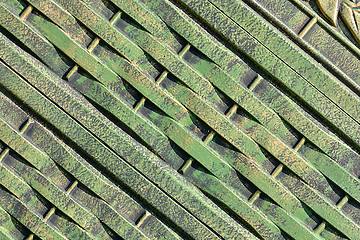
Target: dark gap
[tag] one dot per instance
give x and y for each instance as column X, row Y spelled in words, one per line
column 19, row 231
column 282, row 28
column 121, row 125
column 194, row 56
column 226, row 102
column 328, row 189
column 114, row 179
column 310, row 112
column 73, row 145
column 121, row 88
column 232, row 214
column 45, row 204
column 169, row 81
column 87, row 32
column 179, row 42
column 111, row 233
column 3, row 146
column 66, row 60
column 152, row 112
column 67, row 177
column 67, row 226
column 20, row 2
column 285, row 235
column 139, row 218
column 19, row 44
column 14, row 157
column 337, row 193
column 247, row 185
column 313, row 220
column 293, row 137
column 217, row 35
column 250, row 62
column 199, row 128
column 105, row 8
column 242, row 115
column 132, row 91
column 4, row 191
column 180, row 153
column 46, row 140
column 17, row 164
column 83, row 194
column 157, row 68
column 125, row 20
column 14, row 116
column 352, row 209
column 22, row 231
column 339, row 74
column 222, row 146
column 334, row 233
column 24, row 124
column 196, row 165
column 271, row 162
column 227, row 152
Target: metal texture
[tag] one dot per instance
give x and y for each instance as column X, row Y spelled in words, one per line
column 179, row 119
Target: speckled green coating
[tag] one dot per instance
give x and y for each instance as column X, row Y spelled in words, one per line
column 179, row 119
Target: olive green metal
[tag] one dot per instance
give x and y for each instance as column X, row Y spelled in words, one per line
column 181, row 119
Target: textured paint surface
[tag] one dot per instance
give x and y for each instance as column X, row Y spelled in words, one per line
column 179, row 119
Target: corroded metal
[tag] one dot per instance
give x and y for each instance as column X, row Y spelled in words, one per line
column 179, row 119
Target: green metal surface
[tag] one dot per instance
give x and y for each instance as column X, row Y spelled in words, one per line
column 179, row 119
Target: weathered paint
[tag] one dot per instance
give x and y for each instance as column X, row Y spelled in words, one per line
column 178, row 120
